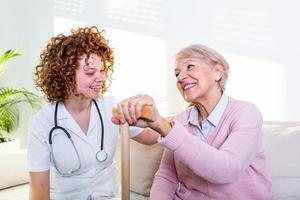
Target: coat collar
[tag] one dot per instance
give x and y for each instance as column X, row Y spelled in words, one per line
column 65, row 119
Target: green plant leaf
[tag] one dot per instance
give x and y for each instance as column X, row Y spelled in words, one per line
column 9, row 99
column 6, row 57
column 9, row 119
column 3, row 135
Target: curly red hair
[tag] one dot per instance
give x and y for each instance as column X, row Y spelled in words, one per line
column 55, row 74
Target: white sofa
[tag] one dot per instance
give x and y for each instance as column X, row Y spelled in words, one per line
column 282, row 141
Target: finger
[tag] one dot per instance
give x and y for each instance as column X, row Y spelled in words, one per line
column 149, row 111
column 138, row 110
column 145, row 107
column 131, row 110
column 131, row 102
column 115, row 121
column 126, row 112
column 149, row 100
column 121, row 115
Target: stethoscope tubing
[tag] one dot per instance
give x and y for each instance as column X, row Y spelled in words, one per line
column 69, row 137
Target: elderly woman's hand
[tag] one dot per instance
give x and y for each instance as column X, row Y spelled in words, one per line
column 130, row 111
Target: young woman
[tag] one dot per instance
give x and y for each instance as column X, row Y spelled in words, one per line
column 72, row 141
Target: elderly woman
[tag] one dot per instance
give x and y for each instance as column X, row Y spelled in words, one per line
column 213, row 149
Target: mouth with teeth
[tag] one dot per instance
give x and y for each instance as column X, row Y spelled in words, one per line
column 96, row 88
column 188, row 86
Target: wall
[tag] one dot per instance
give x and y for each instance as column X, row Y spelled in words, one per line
column 259, row 39
column 25, row 27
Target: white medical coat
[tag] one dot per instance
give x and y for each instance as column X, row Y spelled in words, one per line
column 99, row 179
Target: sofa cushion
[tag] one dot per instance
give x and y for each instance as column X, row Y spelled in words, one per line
column 13, row 170
column 144, row 162
column 282, row 141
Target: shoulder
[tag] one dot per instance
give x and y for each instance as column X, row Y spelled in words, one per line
column 41, row 122
column 107, row 100
column 243, row 114
column 239, row 107
column 106, row 104
column 44, row 115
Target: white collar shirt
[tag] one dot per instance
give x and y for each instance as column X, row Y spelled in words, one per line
column 98, row 179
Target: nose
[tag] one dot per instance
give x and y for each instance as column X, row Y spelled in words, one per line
column 181, row 76
column 100, row 77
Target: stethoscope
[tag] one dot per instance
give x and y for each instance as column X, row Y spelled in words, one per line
column 101, row 155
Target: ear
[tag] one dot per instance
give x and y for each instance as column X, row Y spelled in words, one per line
column 218, row 77
column 219, row 72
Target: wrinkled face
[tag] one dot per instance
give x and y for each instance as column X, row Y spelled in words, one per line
column 90, row 77
column 196, row 79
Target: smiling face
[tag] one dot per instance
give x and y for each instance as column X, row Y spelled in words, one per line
column 90, row 77
column 197, row 81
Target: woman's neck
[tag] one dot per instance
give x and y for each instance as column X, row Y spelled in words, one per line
column 80, row 109
column 77, row 104
column 207, row 104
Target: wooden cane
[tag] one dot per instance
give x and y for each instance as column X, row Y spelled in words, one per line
column 125, row 151
column 125, row 162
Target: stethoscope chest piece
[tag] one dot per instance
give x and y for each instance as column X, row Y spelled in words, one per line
column 101, row 155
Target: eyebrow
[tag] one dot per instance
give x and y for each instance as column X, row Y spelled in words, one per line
column 176, row 70
column 185, row 62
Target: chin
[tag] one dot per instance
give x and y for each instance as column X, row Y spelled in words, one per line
column 96, row 96
column 189, row 98
column 91, row 96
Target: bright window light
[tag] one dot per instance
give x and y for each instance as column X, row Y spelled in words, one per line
column 64, row 25
column 140, row 66
column 259, row 81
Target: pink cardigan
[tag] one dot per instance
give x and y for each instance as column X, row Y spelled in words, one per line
column 230, row 164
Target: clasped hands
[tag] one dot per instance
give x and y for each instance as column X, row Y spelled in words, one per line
column 140, row 111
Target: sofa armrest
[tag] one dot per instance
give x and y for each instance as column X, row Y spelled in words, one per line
column 282, row 140
column 13, row 168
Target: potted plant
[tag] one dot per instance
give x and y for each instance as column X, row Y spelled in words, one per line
column 10, row 98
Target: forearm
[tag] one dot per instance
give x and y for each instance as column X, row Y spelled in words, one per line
column 39, row 192
column 162, row 126
column 200, row 157
column 39, row 185
column 147, row 137
column 162, row 188
column 165, row 181
column 227, row 161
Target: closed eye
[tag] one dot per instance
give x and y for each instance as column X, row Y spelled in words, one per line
column 190, row 66
column 176, row 72
column 90, row 72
